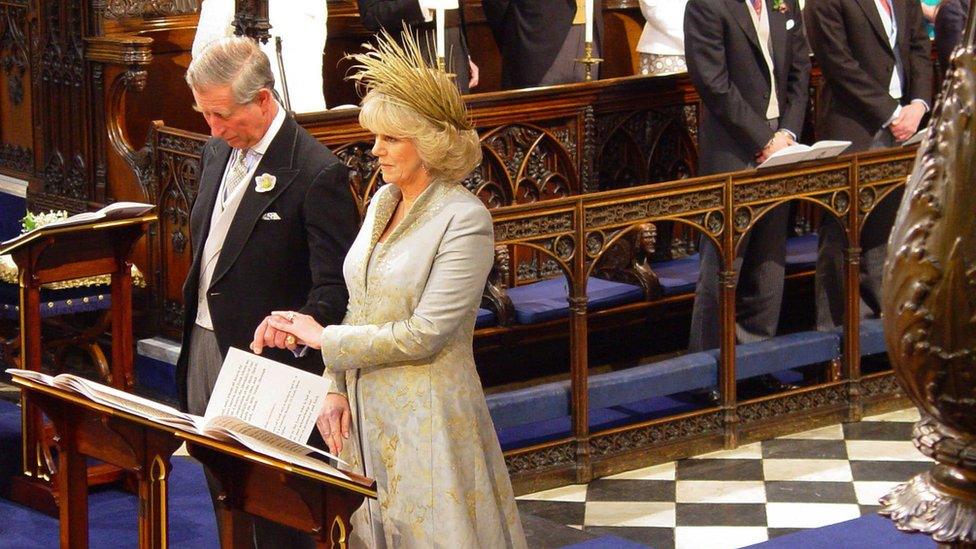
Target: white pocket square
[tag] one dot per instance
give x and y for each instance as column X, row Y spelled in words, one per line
column 789, row 24
column 271, row 216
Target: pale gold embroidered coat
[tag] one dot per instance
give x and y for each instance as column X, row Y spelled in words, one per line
column 420, row 423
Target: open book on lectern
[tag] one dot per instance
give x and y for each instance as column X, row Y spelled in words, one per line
column 264, row 405
column 114, row 211
column 798, row 152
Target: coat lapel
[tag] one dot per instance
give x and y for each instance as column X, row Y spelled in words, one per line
column 739, row 10
column 208, row 186
column 278, row 161
column 385, row 207
column 871, row 11
column 777, row 38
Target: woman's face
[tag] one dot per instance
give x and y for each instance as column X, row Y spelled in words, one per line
column 399, row 160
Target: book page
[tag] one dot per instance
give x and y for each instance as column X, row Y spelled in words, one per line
column 828, row 148
column 223, row 427
column 787, row 155
column 917, row 138
column 112, row 397
column 268, row 394
column 120, row 210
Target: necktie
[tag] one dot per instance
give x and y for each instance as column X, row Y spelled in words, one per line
column 236, row 175
column 757, row 5
column 887, row 6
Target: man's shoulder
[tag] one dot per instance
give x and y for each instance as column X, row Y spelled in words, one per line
column 312, row 153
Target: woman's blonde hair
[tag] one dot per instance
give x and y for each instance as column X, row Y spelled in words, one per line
column 448, row 153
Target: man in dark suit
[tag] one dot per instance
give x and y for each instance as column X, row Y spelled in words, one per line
column 270, row 227
column 390, row 15
column 876, row 61
column 540, row 40
column 750, row 63
column 950, row 23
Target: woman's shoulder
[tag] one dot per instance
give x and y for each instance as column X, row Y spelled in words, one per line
column 466, row 205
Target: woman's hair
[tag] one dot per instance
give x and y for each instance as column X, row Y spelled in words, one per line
column 447, row 152
column 234, row 61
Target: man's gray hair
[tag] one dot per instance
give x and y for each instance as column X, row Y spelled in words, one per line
column 234, row 61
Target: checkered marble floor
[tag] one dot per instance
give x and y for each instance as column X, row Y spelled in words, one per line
column 744, row 496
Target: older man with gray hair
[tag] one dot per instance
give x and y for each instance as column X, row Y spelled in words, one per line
column 269, row 229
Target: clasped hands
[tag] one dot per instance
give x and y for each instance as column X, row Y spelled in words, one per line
column 288, row 330
column 906, row 123
column 781, row 139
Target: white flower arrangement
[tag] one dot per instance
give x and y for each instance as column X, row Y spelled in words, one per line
column 33, row 221
column 264, row 182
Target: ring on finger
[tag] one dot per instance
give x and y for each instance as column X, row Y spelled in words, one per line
column 290, row 340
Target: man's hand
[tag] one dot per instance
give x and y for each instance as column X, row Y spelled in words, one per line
column 473, row 82
column 266, row 335
column 334, row 421
column 779, row 141
column 906, row 123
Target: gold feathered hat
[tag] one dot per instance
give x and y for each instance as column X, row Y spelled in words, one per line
column 402, row 75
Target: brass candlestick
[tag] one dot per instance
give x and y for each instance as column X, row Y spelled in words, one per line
column 441, row 64
column 588, row 60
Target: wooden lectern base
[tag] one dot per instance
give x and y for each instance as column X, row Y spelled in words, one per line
column 42, row 495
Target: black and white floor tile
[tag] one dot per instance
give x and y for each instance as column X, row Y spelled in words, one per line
column 748, row 495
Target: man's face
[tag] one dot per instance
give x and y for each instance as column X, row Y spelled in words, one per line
column 241, row 126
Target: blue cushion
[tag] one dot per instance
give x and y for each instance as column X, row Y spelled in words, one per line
column 674, row 375
column 677, row 276
column 784, row 352
column 539, row 402
column 57, row 302
column 547, row 300
column 485, row 318
column 872, row 337
column 531, row 432
column 156, row 378
column 801, row 252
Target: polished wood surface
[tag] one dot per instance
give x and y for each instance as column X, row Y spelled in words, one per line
column 55, row 255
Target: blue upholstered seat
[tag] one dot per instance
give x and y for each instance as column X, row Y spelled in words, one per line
column 677, row 276
column 57, row 302
column 872, row 337
column 542, row 412
column 783, row 352
column 674, row 375
column 485, row 318
column 801, row 252
column 547, row 300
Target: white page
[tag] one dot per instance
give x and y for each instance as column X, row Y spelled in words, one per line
column 829, row 148
column 268, row 394
column 787, row 155
column 125, row 209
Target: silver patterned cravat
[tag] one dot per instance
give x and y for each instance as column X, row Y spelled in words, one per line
column 236, row 174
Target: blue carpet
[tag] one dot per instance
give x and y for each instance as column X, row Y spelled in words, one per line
column 606, row 542
column 112, row 516
column 868, row 532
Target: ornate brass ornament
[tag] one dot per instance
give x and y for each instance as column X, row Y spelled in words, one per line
column 929, row 311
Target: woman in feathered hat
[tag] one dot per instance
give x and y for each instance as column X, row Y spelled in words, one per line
column 407, row 408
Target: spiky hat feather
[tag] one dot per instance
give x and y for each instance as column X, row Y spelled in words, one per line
column 402, row 75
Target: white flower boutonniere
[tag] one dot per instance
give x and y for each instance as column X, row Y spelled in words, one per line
column 264, row 182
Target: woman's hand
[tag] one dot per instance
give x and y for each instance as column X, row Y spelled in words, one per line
column 334, row 421
column 286, row 330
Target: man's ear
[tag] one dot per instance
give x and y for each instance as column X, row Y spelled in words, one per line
column 264, row 99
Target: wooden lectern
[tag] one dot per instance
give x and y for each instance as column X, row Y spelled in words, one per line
column 251, row 483
column 56, row 254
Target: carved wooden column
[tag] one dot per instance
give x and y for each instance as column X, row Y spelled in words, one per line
column 929, row 311
column 251, row 19
column 727, row 281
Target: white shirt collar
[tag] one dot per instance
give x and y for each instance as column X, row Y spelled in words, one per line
column 262, row 145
